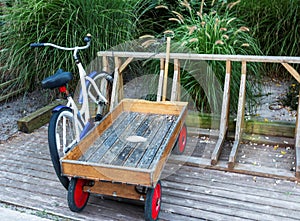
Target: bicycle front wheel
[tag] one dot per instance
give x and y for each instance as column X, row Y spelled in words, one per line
column 61, row 138
column 103, row 81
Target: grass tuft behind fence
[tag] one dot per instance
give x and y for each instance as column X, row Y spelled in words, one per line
column 64, row 23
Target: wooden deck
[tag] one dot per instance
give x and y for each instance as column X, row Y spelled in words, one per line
column 190, row 192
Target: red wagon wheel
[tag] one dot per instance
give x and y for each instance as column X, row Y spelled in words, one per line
column 77, row 198
column 153, row 202
column 181, row 141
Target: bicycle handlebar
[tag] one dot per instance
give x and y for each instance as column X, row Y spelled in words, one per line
column 37, row 45
column 87, row 39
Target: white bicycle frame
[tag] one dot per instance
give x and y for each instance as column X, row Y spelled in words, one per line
column 81, row 117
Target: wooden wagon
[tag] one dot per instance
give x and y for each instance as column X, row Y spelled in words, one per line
column 125, row 154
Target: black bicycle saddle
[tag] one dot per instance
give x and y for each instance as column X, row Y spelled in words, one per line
column 60, row 78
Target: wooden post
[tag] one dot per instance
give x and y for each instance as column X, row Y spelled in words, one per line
column 179, row 82
column 174, row 92
column 240, row 118
column 161, row 79
column 224, row 116
column 105, row 63
column 166, row 69
column 125, row 64
column 292, row 71
column 115, row 88
column 297, row 140
column 119, row 88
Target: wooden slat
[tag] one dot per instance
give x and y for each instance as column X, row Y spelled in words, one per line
column 161, row 79
column 297, row 140
column 292, row 71
column 104, row 143
column 125, row 64
column 129, row 128
column 84, row 144
column 249, row 169
column 116, row 190
column 151, row 143
column 240, row 117
column 224, row 120
column 107, row 173
column 253, row 126
column 105, row 64
column 151, row 153
column 114, row 92
column 175, row 84
column 159, row 163
column 179, row 82
column 166, row 71
column 204, row 57
column 143, row 106
column 102, row 138
column 119, row 87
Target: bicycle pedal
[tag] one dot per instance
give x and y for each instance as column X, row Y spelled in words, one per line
column 98, row 117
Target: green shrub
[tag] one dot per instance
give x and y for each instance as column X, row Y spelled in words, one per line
column 212, row 30
column 276, row 24
column 64, row 23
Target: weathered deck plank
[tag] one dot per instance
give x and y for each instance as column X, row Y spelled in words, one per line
column 190, row 193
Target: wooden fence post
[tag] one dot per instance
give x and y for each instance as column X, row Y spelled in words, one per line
column 240, row 118
column 175, row 93
column 297, row 140
column 224, row 116
column 160, row 80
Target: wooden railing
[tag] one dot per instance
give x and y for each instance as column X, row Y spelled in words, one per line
column 285, row 61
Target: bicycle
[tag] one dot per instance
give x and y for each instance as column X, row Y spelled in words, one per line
column 70, row 123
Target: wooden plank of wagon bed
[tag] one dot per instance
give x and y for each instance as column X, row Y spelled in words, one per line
column 137, row 127
column 147, row 130
column 94, row 147
column 160, row 143
column 148, row 150
column 103, row 144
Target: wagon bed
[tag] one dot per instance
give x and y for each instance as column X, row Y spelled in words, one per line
column 131, row 145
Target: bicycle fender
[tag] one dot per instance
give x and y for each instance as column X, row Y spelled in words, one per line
column 59, row 107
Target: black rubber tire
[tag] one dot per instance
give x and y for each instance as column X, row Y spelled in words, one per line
column 180, row 144
column 77, row 199
column 153, row 202
column 55, row 155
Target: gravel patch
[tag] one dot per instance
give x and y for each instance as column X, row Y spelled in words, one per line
column 14, row 109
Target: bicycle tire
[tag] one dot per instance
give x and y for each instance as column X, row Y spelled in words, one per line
column 104, row 87
column 54, row 134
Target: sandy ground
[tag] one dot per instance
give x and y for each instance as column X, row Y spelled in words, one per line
column 270, row 106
